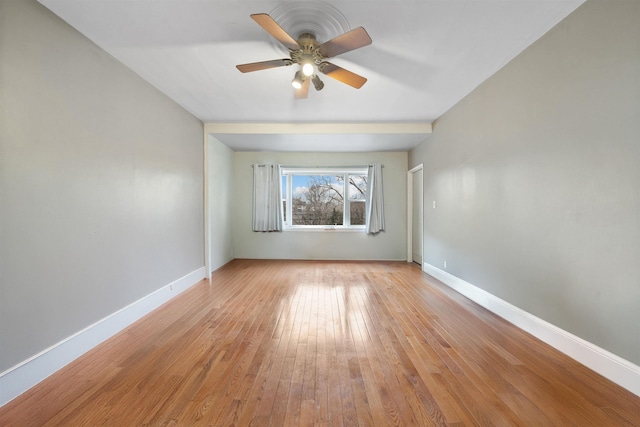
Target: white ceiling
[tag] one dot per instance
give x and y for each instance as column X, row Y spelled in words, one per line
column 425, row 57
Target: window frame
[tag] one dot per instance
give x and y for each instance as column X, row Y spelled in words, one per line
column 287, row 196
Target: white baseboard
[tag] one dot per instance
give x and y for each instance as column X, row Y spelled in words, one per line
column 615, row 368
column 20, row 378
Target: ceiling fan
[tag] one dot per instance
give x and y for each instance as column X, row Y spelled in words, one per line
column 311, row 56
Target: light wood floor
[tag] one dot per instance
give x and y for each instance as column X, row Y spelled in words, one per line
column 323, row 343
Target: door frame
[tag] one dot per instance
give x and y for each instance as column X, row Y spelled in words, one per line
column 410, row 174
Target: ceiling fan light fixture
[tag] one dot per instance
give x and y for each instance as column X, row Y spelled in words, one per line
column 297, row 80
column 307, row 69
column 317, row 83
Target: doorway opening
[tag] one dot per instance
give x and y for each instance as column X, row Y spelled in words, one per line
column 415, row 217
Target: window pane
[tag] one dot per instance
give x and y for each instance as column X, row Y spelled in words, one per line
column 357, row 212
column 317, row 200
column 284, row 210
column 357, row 187
column 284, row 197
column 357, row 196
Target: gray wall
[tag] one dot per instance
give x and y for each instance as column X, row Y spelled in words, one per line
column 100, row 185
column 220, row 203
column 388, row 245
column 536, row 175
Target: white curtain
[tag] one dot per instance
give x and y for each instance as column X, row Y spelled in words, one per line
column 375, row 203
column 267, row 198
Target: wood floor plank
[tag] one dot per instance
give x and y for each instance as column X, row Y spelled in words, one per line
column 323, row 343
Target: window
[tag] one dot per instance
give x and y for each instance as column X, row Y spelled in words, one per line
column 321, row 198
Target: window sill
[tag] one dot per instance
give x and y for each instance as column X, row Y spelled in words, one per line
column 328, row 229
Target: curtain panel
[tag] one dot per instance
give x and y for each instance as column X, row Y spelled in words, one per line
column 374, row 206
column 267, row 198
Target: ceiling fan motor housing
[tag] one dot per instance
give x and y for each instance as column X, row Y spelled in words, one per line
column 308, row 52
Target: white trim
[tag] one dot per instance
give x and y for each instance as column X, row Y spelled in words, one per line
column 318, row 128
column 26, row 374
column 205, row 199
column 324, row 170
column 332, row 228
column 615, row 368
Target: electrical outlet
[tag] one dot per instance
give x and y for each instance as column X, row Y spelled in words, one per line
column 434, row 204
column 445, row 264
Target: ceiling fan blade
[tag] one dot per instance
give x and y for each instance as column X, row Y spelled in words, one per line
column 303, row 92
column 342, row 75
column 272, row 27
column 354, row 39
column 256, row 66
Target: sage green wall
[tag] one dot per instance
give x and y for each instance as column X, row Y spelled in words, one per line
column 100, row 184
column 536, row 175
column 335, row 245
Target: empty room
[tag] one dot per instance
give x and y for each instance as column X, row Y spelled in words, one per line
column 216, row 212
